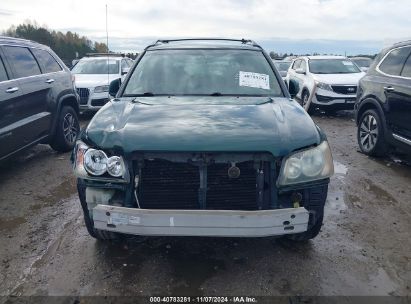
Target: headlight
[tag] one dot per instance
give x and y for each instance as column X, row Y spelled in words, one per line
column 91, row 162
column 115, row 166
column 309, row 165
column 324, row 86
column 101, row 89
column 95, row 162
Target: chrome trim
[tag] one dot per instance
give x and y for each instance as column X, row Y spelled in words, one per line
column 402, row 139
column 385, row 56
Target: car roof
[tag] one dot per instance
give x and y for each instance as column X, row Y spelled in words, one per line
column 326, row 57
column 102, row 57
column 20, row 42
column 401, row 43
column 204, row 43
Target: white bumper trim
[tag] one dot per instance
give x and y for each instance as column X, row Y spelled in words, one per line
column 200, row 222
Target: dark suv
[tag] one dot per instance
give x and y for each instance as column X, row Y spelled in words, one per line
column 38, row 102
column 383, row 107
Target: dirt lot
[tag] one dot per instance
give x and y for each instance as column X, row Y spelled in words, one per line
column 364, row 247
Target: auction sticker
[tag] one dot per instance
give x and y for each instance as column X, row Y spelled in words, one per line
column 254, row 80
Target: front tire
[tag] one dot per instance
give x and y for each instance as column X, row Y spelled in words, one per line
column 370, row 134
column 67, row 129
column 304, row 100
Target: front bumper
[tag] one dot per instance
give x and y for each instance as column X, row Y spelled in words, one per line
column 91, row 101
column 221, row 223
column 329, row 98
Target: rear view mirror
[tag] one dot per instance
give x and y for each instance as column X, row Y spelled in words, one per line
column 125, row 71
column 293, row 87
column 114, row 87
column 300, row 71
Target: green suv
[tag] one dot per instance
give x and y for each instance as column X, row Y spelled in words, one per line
column 203, row 139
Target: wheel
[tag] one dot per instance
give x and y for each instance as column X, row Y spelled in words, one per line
column 67, row 129
column 304, row 100
column 370, row 134
column 95, row 233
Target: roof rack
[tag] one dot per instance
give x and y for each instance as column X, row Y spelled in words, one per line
column 105, row 55
column 401, row 42
column 243, row 41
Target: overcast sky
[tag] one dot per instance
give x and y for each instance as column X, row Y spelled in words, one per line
column 132, row 22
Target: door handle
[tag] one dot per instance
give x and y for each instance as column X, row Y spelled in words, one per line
column 12, row 90
column 389, row 89
column 49, row 81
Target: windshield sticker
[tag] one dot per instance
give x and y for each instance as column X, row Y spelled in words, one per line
column 347, row 63
column 254, row 80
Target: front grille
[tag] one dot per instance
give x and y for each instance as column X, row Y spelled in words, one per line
column 99, row 102
column 84, row 93
column 224, row 193
column 173, row 185
column 168, row 185
column 347, row 90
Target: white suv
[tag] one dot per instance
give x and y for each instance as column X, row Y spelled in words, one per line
column 93, row 75
column 326, row 82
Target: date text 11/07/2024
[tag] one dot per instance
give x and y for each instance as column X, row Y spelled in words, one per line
column 203, row 299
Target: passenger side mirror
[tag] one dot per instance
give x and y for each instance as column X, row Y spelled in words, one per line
column 300, row 71
column 293, row 87
column 114, row 87
column 364, row 69
column 125, row 71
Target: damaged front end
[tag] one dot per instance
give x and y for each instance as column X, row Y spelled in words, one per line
column 200, row 193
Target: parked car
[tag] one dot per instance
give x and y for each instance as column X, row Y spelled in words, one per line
column 202, row 140
column 326, row 82
column 383, row 107
column 93, row 75
column 38, row 102
column 282, row 66
column 363, row 63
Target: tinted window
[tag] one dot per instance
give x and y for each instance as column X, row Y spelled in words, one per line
column 406, row 72
column 395, row 60
column 22, row 61
column 97, row 66
column 203, row 72
column 296, row 64
column 46, row 60
column 3, row 73
column 303, row 66
column 332, row 66
column 282, row 66
column 124, row 64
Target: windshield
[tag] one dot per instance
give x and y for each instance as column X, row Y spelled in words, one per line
column 363, row 63
column 282, row 66
column 96, row 66
column 203, row 72
column 332, row 66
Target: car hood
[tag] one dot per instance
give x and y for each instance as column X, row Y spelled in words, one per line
column 351, row 78
column 93, row 80
column 202, row 124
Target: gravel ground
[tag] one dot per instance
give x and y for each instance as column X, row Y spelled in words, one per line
column 364, row 247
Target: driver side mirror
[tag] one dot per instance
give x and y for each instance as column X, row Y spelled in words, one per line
column 114, row 87
column 293, row 87
column 300, row 71
column 124, row 71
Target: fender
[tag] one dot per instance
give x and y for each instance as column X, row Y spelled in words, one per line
column 59, row 106
column 369, row 102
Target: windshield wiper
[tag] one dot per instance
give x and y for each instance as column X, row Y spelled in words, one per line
column 149, row 94
column 269, row 100
column 216, row 94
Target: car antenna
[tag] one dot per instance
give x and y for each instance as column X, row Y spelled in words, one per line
column 108, row 56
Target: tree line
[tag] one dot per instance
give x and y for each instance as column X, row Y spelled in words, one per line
column 65, row 45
